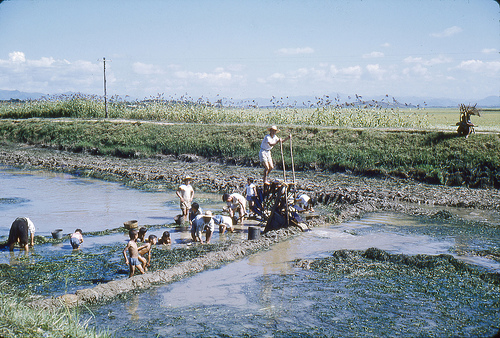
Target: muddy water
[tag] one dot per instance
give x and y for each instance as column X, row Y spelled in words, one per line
column 265, row 295
column 62, row 201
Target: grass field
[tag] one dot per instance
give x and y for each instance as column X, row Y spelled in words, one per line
column 429, row 156
column 446, row 118
column 324, row 112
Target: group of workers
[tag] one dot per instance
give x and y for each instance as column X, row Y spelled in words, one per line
column 23, row 230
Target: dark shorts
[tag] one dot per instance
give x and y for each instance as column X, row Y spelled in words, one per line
column 134, row 261
column 19, row 232
column 75, row 242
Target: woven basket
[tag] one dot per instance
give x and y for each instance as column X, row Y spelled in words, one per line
column 131, row 224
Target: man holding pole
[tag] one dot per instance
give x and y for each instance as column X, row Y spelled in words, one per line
column 267, row 144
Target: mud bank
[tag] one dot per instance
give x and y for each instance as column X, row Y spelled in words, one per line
column 342, row 191
column 107, row 291
column 345, row 197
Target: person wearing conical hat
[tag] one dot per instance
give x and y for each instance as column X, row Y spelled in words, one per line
column 186, row 195
column 269, row 141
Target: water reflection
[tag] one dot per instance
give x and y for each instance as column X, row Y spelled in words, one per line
column 58, row 200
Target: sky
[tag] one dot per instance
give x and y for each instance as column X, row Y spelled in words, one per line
column 239, row 49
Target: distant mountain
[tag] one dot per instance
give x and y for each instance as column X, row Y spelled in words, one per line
column 306, row 101
column 16, row 94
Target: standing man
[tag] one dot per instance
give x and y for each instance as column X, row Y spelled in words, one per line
column 186, row 195
column 22, row 231
column 267, row 144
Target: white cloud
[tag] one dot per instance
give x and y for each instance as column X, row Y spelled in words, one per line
column 353, row 71
column 17, row 57
column 478, row 66
column 417, row 69
column 218, row 76
column 434, row 61
column 376, row 71
column 489, row 50
column 373, row 55
column 49, row 75
column 385, row 45
column 295, row 51
column 450, row 31
column 145, row 69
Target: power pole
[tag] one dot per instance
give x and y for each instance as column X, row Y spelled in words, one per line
column 105, row 97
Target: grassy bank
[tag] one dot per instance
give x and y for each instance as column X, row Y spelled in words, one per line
column 19, row 320
column 434, row 157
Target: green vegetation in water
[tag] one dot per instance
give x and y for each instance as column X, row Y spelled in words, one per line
column 376, row 294
column 55, row 274
column 433, row 157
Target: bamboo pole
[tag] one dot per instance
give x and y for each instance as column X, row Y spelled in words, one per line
column 283, row 161
column 291, row 155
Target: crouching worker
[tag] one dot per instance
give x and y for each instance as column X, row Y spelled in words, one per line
column 133, row 252
column 22, row 231
column 76, row 239
column 165, row 238
column 224, row 222
column 236, row 203
column 200, row 223
column 304, row 203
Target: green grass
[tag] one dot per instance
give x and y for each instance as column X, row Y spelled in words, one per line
column 17, row 319
column 324, row 112
column 446, row 119
column 434, row 157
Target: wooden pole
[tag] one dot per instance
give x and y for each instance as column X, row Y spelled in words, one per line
column 291, row 155
column 283, row 161
column 105, row 96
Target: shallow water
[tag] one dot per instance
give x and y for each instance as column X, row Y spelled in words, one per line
column 265, row 295
column 57, row 200
column 62, row 201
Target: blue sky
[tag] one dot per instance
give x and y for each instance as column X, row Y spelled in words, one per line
column 243, row 49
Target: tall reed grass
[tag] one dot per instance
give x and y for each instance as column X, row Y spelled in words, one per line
column 323, row 112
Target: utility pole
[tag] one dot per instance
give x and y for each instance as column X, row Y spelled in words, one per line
column 105, row 97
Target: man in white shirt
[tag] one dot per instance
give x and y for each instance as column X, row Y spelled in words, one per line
column 267, row 144
column 186, row 195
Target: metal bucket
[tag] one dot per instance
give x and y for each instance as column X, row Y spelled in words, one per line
column 253, row 232
column 57, row 234
column 178, row 219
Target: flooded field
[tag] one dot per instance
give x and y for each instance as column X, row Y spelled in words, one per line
column 427, row 277
column 267, row 294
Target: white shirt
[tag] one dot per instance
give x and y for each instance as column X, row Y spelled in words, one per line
column 236, row 200
column 303, row 199
column 250, row 189
column 31, row 226
column 265, row 145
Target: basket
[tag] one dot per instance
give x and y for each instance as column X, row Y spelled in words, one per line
column 131, row 224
